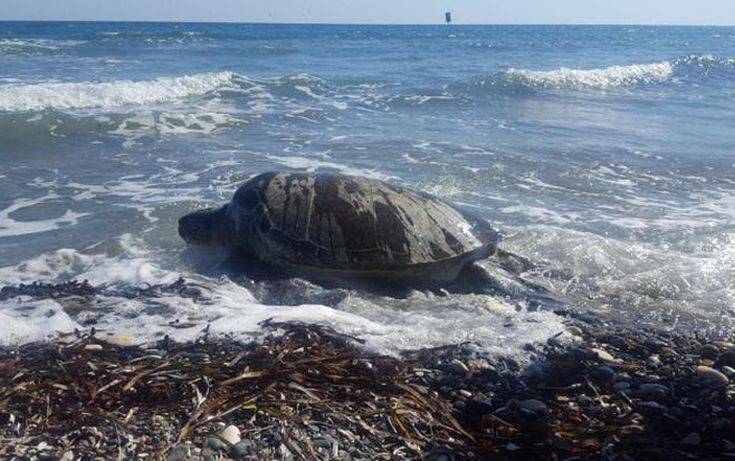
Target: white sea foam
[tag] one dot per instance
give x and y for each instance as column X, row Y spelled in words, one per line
column 608, row 77
column 84, row 95
column 310, row 165
column 388, row 325
column 637, row 277
column 34, row 45
column 10, row 227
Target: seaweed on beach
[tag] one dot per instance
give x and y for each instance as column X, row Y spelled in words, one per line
column 308, row 392
column 49, row 290
column 304, row 390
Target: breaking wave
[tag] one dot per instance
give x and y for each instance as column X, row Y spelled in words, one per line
column 691, row 66
column 90, row 95
column 608, row 77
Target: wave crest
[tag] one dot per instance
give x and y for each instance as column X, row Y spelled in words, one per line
column 608, row 77
column 33, row 46
column 90, row 95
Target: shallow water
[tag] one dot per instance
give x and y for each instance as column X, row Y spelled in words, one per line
column 604, row 154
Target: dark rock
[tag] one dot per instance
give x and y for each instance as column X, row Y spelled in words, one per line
column 452, row 381
column 726, row 359
column 531, row 409
column 655, row 406
column 728, row 371
column 479, row 405
column 440, row 455
column 692, row 439
column 602, row 374
column 709, row 351
column 325, row 442
column 653, row 390
column 711, row 377
column 241, row 449
column 457, row 367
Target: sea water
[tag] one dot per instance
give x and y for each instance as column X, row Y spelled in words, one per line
column 605, row 155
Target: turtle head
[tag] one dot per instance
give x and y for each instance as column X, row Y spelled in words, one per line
column 203, row 227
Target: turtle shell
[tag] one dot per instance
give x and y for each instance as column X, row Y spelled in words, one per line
column 346, row 223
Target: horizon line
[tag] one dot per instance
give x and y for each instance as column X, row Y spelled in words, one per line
column 296, row 23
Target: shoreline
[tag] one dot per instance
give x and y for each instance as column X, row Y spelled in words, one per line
column 308, row 392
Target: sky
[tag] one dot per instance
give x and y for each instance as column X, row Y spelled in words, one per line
column 709, row 12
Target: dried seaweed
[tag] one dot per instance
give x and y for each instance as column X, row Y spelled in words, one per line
column 112, row 400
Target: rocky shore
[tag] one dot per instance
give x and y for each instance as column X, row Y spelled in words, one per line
column 308, row 392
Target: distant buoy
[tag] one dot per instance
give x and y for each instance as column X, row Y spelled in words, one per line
column 448, row 17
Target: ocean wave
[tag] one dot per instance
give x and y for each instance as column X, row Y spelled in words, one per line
column 90, row 95
column 607, row 77
column 689, row 66
column 21, row 46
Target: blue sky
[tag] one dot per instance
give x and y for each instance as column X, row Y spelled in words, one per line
column 715, row 12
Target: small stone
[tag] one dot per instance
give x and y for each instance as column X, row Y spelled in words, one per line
column 215, row 443
column 668, row 352
column 532, row 408
column 325, row 442
column 726, row 359
column 231, row 434
column 724, row 345
column 654, row 361
column 728, row 371
column 479, row 405
column 576, row 331
column 653, row 390
column 510, row 446
column 709, row 351
column 458, row 367
column 440, row 455
column 712, row 376
column 465, row 393
column 621, row 386
column 692, row 439
column 618, row 341
column 92, row 347
column 241, row 449
column 603, row 355
column 602, row 374
column 653, row 405
column 180, row 452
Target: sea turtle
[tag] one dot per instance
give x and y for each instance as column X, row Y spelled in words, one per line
column 337, row 226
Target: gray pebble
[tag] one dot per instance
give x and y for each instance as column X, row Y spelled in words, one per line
column 602, row 374
column 728, row 371
column 653, row 405
column 692, row 439
column 215, row 444
column 726, row 359
column 603, row 355
column 532, row 408
column 241, row 449
column 711, row 376
column 457, row 367
column 708, row 351
column 653, row 390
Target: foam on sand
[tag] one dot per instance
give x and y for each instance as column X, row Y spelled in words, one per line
column 389, row 325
